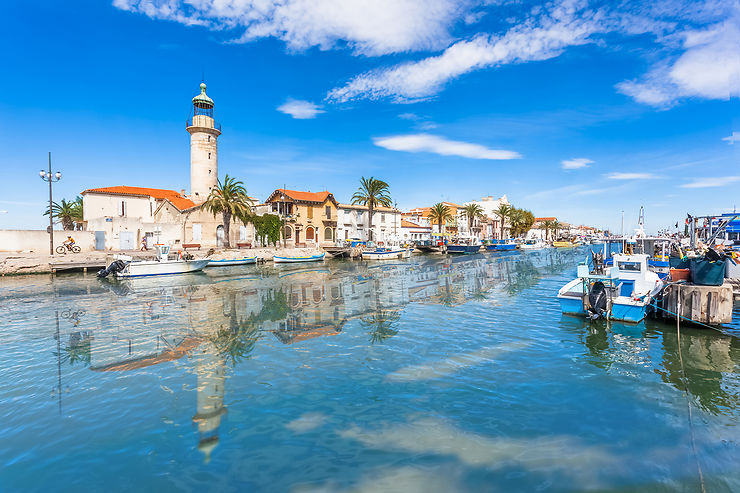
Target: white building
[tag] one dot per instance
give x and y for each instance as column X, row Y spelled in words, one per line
column 352, row 223
column 411, row 232
column 490, row 226
column 123, row 216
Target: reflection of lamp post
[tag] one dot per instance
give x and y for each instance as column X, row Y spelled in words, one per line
column 51, row 179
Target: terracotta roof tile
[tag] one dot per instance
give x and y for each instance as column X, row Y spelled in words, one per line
column 409, row 224
column 158, row 193
column 305, row 196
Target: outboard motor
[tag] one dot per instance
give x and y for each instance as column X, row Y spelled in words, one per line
column 597, row 300
column 115, row 266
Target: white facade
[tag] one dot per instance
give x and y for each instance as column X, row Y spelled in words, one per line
column 411, row 232
column 490, row 227
column 352, row 223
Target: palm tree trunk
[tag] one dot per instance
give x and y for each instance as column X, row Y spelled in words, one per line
column 227, row 227
column 370, row 222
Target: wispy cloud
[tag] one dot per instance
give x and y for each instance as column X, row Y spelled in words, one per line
column 443, row 146
column 539, row 38
column 708, row 66
column 732, row 138
column 369, row 28
column 719, row 181
column 576, row 163
column 301, row 110
column 630, row 176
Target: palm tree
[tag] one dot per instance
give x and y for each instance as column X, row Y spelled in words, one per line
column 440, row 214
column 472, row 212
column 67, row 213
column 230, row 199
column 371, row 194
column 503, row 211
column 548, row 226
column 555, row 227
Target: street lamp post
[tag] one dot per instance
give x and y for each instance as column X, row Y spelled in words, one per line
column 47, row 176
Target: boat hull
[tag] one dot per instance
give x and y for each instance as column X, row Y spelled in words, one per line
column 501, row 247
column 231, row 262
column 293, row 260
column 386, row 255
column 562, row 244
column 154, row 268
column 464, row 249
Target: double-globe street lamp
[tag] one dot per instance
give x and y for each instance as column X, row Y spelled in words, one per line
column 51, row 178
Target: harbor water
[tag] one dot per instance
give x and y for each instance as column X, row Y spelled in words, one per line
column 433, row 374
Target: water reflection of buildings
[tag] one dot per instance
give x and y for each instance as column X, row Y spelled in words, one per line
column 219, row 319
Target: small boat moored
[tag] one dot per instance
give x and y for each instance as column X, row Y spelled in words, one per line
column 388, row 252
column 623, row 292
column 501, row 245
column 465, row 245
column 125, row 266
column 232, row 261
column 296, row 258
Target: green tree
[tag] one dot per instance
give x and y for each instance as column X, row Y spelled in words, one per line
column 548, row 226
column 231, row 200
column 440, row 214
column 503, row 212
column 67, row 213
column 268, row 228
column 372, row 193
column 555, row 228
column 521, row 221
column 472, row 212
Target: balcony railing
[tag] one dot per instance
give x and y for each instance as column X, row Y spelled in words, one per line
column 189, row 123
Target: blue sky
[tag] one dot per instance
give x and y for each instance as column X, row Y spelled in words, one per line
column 572, row 109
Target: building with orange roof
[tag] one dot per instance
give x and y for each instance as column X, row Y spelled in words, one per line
column 411, row 231
column 126, row 217
column 310, row 217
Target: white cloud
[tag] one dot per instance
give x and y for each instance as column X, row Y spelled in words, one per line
column 719, row 181
column 732, row 138
column 369, row 27
column 301, row 110
column 631, row 176
column 408, row 116
column 442, row 146
column 576, row 163
column 535, row 39
column 708, row 67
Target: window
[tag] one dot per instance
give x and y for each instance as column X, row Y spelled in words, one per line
column 629, row 266
column 209, row 138
column 382, row 218
column 122, row 208
column 309, row 212
column 209, row 155
column 196, row 232
column 359, row 215
column 328, row 212
column 242, row 233
column 288, row 232
column 328, row 234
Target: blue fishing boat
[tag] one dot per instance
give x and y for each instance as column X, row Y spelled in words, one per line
column 464, row 245
column 623, row 292
column 228, row 262
column 501, row 245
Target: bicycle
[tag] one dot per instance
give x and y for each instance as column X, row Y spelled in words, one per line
column 64, row 248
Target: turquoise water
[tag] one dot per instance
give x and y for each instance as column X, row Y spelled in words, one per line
column 431, row 374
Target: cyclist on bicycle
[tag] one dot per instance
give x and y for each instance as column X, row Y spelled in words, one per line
column 69, row 243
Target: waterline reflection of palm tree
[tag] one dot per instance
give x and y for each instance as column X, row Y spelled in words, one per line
column 381, row 324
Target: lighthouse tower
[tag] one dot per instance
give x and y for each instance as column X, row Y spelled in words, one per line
column 203, row 149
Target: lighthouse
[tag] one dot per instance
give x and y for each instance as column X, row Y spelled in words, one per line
column 204, row 134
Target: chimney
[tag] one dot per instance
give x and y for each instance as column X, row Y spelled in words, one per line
column 182, row 192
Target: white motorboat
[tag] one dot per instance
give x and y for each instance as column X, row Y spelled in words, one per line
column 125, row 266
column 390, row 253
column 228, row 262
column 298, row 258
column 533, row 245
